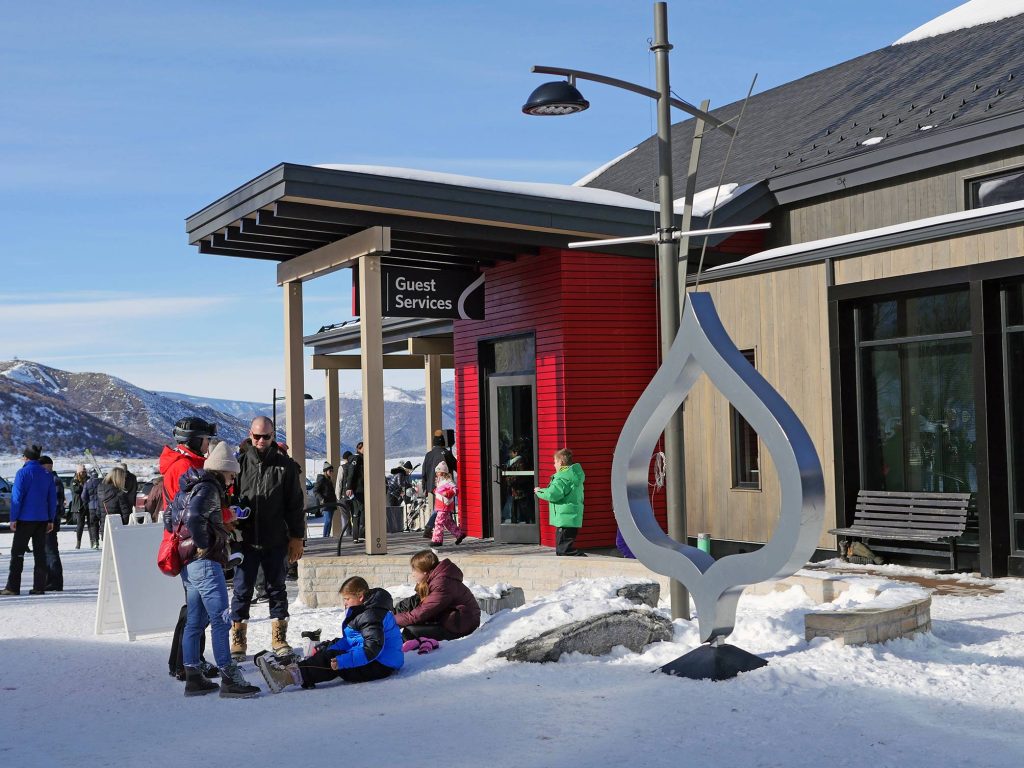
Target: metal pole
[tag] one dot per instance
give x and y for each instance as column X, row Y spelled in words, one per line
column 668, row 296
column 274, row 411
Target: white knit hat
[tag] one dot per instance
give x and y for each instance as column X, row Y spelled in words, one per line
column 441, row 468
column 220, row 458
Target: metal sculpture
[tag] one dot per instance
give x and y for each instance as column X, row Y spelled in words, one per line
column 703, row 346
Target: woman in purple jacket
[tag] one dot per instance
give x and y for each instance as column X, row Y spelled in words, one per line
column 443, row 608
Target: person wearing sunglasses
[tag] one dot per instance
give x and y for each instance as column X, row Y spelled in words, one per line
column 270, row 484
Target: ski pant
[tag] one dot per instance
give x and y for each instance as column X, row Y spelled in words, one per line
column 28, row 530
column 275, row 566
column 317, row 669
column 565, row 541
column 86, row 521
column 444, row 522
column 54, row 567
column 175, row 662
column 357, row 515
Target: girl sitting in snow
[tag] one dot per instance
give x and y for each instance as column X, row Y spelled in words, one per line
column 444, row 506
column 443, row 608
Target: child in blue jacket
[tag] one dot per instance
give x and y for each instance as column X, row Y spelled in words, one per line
column 370, row 646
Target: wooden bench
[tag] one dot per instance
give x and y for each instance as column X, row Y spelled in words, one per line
column 909, row 516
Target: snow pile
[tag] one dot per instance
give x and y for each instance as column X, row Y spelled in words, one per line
column 951, row 697
column 970, row 14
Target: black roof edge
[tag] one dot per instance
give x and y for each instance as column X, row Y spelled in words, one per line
column 394, row 332
column 934, row 148
column 507, row 208
column 882, row 242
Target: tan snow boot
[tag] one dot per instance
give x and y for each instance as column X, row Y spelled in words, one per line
column 238, row 645
column 278, row 637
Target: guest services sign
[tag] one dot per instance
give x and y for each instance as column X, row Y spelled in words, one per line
column 410, row 292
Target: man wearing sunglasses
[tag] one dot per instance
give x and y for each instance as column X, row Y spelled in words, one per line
column 270, row 484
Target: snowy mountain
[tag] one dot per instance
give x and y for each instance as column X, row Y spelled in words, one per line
column 67, row 412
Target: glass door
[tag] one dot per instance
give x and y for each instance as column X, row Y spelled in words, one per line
column 512, row 437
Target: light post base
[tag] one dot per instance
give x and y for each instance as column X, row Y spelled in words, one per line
column 713, row 662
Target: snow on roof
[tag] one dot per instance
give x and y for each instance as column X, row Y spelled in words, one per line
column 582, row 182
column 868, row 234
column 705, row 201
column 970, row 14
column 536, row 189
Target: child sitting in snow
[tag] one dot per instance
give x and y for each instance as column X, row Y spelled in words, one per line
column 370, row 647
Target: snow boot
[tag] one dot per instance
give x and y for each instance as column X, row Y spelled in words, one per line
column 209, row 670
column 238, row 645
column 278, row 637
column 196, row 684
column 234, row 686
column 278, row 676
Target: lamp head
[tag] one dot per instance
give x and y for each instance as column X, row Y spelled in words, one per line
column 556, row 98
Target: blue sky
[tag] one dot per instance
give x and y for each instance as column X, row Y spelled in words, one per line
column 119, row 119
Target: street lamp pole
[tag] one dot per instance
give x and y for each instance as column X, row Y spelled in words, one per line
column 668, row 295
column 562, row 98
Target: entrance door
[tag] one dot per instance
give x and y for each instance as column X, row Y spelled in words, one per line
column 512, row 438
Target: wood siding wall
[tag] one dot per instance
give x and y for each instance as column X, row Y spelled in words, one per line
column 783, row 317
column 915, row 196
column 978, row 248
column 594, row 318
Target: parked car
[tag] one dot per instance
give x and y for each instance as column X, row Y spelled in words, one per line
column 66, row 478
column 5, row 502
column 145, row 486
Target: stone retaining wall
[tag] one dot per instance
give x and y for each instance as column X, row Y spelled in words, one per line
column 870, row 625
column 321, row 577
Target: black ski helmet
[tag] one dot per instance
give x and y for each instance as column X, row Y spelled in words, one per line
column 192, row 430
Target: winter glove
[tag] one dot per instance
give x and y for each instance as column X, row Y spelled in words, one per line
column 295, row 547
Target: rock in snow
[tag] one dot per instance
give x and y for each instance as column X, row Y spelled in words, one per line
column 595, row 636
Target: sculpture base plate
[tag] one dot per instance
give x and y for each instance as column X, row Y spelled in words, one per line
column 713, row 662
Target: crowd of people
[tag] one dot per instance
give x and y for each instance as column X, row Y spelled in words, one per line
column 241, row 512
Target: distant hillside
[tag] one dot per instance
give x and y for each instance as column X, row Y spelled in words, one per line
column 72, row 412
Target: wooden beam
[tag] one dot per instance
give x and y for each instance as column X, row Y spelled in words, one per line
column 333, row 427
column 295, row 404
column 334, row 256
column 371, row 344
column 432, row 345
column 432, row 394
column 390, row 362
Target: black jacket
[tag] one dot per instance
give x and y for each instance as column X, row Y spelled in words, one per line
column 113, row 501
column 200, row 503
column 131, row 485
column 323, row 489
column 354, row 477
column 271, row 487
column 435, row 456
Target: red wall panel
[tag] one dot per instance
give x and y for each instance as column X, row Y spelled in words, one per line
column 595, row 322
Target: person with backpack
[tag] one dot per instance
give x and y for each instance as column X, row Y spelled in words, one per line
column 201, row 508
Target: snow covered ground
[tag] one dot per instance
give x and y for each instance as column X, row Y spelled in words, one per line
column 952, row 697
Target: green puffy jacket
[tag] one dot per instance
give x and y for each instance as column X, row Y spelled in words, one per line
column 564, row 496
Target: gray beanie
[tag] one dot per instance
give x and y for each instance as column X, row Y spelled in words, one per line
column 220, row 459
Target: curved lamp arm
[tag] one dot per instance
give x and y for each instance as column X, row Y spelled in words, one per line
column 643, row 91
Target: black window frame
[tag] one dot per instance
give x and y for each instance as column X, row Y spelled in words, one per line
column 744, row 445
column 971, row 185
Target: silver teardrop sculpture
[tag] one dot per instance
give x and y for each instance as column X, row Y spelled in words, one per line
column 703, row 346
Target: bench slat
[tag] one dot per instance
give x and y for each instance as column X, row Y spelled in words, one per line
column 916, row 495
column 871, row 533
column 924, row 521
column 908, row 504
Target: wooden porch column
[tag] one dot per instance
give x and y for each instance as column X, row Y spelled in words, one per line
column 331, row 414
column 372, row 351
column 432, row 373
column 294, row 406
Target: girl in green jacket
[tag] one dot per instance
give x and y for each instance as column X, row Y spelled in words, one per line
column 564, row 495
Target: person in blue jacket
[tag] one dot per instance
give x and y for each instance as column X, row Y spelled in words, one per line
column 33, row 511
column 370, row 646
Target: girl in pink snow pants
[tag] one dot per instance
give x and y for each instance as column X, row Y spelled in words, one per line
column 444, row 506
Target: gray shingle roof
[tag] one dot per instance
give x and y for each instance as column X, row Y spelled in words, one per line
column 947, row 82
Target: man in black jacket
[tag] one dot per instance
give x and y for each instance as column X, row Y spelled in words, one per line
column 270, row 484
column 354, row 491
column 437, row 453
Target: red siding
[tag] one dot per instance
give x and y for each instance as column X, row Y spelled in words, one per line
column 595, row 321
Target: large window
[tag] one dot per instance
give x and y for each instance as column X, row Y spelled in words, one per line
column 1013, row 353
column 916, row 393
column 993, row 190
column 746, row 467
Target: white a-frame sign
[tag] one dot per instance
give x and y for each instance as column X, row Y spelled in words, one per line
column 134, row 596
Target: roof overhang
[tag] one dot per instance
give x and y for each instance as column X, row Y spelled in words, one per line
column 396, row 332
column 293, row 209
